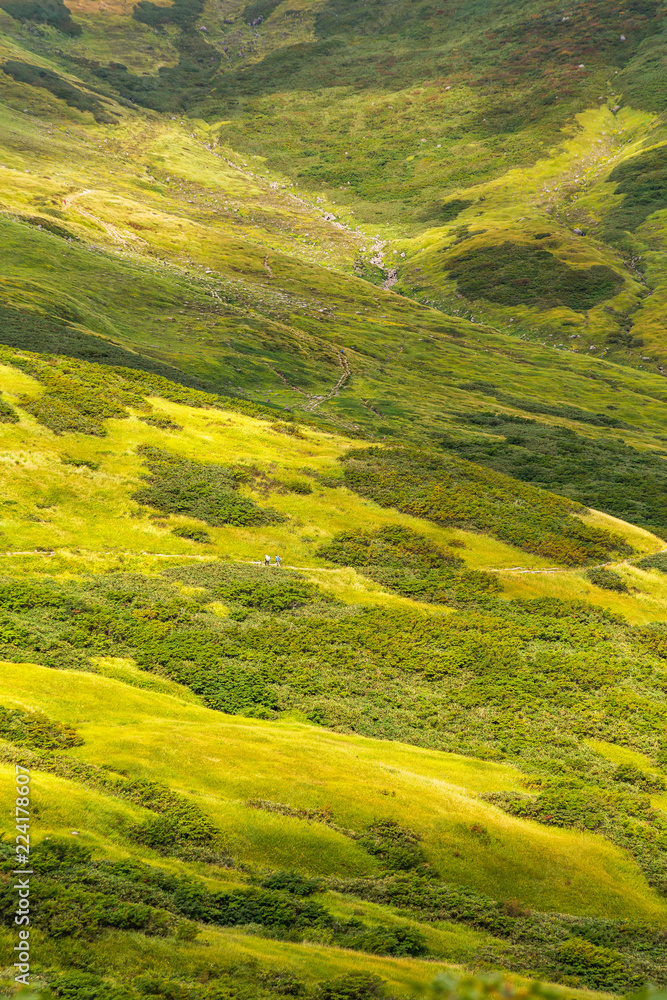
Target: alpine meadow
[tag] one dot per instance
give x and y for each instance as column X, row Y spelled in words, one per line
column 333, row 501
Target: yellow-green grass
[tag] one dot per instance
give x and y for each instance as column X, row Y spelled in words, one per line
column 128, row 954
column 125, row 669
column 93, row 510
column 64, row 808
column 407, row 975
column 88, row 518
column 645, row 601
column 523, row 201
column 642, row 541
column 223, row 761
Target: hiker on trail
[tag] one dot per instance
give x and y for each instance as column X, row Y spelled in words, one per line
column 278, row 561
column 267, row 560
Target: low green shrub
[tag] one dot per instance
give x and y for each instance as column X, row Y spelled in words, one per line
column 291, row 429
column 77, row 985
column 298, row 486
column 352, row 986
column 206, row 491
column 12, row 634
column 8, row 414
column 397, row 848
column 52, row 12
column 449, row 490
column 193, row 534
column 632, row 775
column 657, row 561
column 292, row 882
column 36, row 731
column 522, row 274
column 284, row 595
column 80, row 463
column 407, row 563
column 602, row 968
column 163, row 423
column 396, row 940
column 601, row 472
column 18, row 595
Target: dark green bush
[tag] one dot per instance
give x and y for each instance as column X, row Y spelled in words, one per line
column 8, row 414
column 408, row 563
column 17, row 595
column 53, row 12
column 602, row 968
column 193, row 534
column 395, row 846
column 523, row 274
column 12, row 634
column 286, row 594
column 76, row 985
column 164, row 423
column 607, row 579
column 632, row 775
column 380, row 940
column 298, row 486
column 80, row 463
column 205, row 491
column 657, row 561
column 352, row 986
column 36, row 731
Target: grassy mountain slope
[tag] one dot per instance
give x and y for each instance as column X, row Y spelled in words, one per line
column 138, row 643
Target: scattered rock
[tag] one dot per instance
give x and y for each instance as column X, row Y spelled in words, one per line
column 391, row 279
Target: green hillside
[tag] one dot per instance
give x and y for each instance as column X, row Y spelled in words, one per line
column 378, row 289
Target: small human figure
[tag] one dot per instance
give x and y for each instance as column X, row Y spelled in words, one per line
column 267, row 560
column 278, row 562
